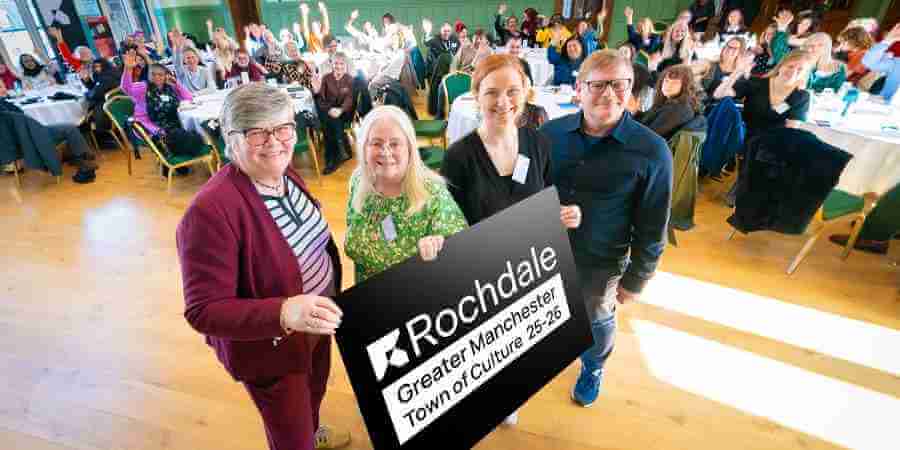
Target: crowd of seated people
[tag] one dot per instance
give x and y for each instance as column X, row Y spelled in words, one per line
column 746, row 67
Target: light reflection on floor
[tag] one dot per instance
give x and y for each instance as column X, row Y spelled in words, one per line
column 834, row 410
column 852, row 340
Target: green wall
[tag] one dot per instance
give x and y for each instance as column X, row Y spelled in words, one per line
column 190, row 16
column 871, row 8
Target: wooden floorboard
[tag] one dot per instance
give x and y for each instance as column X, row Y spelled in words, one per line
column 95, row 353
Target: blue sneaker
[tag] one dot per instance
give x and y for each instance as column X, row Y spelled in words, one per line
column 587, row 387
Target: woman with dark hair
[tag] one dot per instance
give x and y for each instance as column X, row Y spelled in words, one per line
column 156, row 104
column 855, row 42
column 805, row 26
column 773, row 45
column 530, row 27
column 99, row 80
column 734, row 27
column 702, row 11
column 567, row 64
column 34, row 74
column 677, row 102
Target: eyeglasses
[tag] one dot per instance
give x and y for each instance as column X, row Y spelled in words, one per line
column 259, row 136
column 619, row 85
column 384, row 146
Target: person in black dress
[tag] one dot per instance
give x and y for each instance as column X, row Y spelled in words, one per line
column 499, row 164
column 774, row 101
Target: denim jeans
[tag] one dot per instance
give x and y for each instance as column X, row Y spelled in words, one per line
column 599, row 286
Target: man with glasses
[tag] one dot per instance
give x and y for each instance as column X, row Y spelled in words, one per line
column 620, row 173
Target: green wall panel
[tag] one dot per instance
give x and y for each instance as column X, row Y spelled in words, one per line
column 192, row 19
column 474, row 14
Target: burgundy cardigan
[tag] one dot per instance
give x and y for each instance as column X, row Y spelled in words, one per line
column 237, row 269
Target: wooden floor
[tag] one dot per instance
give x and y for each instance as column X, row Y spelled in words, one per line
column 725, row 351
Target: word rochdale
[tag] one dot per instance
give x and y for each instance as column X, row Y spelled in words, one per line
column 438, row 353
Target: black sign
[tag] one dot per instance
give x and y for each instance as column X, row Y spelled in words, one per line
column 439, row 352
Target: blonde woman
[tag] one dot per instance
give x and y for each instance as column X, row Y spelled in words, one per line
column 826, row 72
column 644, row 38
column 224, row 55
column 678, row 45
column 398, row 207
column 726, row 65
column 775, row 100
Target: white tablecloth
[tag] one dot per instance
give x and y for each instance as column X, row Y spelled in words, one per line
column 209, row 106
column 866, row 133
column 541, row 69
column 464, row 111
column 56, row 112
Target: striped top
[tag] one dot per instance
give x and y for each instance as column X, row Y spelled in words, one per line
column 306, row 232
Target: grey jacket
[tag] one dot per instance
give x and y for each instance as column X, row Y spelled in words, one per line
column 23, row 137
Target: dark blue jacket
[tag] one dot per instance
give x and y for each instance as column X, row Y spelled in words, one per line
column 564, row 70
column 724, row 138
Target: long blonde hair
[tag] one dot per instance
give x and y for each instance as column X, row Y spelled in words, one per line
column 224, row 52
column 824, row 59
column 417, row 174
column 686, row 50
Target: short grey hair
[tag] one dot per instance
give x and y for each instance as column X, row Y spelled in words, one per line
column 251, row 105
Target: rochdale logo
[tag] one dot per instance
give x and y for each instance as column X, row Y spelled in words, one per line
column 384, row 352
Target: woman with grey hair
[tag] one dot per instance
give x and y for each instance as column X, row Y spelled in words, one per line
column 398, row 207
column 258, row 265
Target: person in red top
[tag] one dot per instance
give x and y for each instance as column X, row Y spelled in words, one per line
column 243, row 63
column 257, row 290
column 7, row 75
column 82, row 57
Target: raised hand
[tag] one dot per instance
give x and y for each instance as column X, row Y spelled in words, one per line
column 784, row 19
column 321, row 6
column 629, row 14
column 55, row 33
column 130, row 60
column 745, row 62
column 304, row 8
column 894, row 34
column 501, row 9
column 426, row 26
column 354, row 15
column 209, row 23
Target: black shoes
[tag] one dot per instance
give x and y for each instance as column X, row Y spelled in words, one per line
column 866, row 245
column 84, row 176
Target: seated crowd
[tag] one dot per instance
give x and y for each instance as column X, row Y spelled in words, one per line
column 771, row 76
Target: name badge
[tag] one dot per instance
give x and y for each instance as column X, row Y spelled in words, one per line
column 245, row 77
column 520, row 173
column 389, row 229
column 782, row 108
column 164, row 98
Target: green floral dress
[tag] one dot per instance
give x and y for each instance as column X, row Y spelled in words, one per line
column 365, row 242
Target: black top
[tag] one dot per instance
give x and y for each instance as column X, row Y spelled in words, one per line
column 475, row 184
column 668, row 117
column 759, row 114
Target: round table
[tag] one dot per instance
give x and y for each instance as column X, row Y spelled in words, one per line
column 209, row 106
column 541, row 69
column 464, row 111
column 55, row 112
column 870, row 132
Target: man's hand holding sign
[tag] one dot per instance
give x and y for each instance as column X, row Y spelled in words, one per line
column 439, row 353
